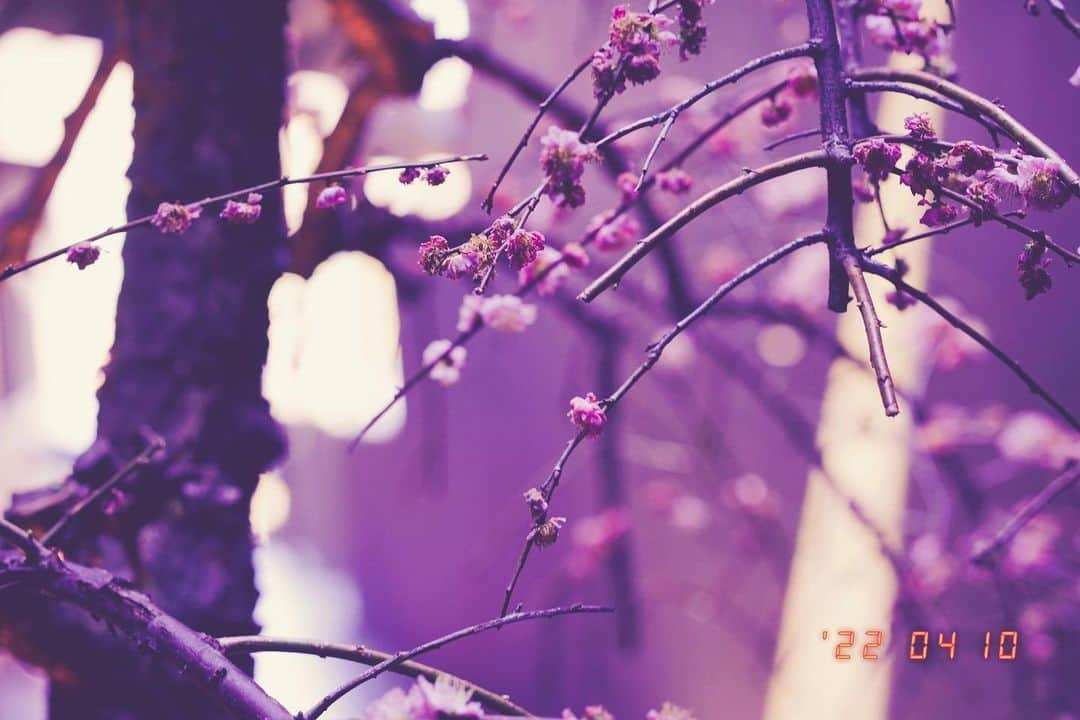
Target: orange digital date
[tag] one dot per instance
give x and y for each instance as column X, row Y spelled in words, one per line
column 1006, row 643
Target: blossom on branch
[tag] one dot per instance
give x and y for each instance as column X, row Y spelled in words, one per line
column 332, row 196
column 175, row 218
column 448, row 361
column 550, row 267
column 877, row 157
column 247, row 212
column 83, row 254
column 562, row 158
column 675, row 181
column 436, row 175
column 587, row 413
column 1041, row 184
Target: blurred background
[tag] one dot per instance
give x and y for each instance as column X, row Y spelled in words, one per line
column 696, row 497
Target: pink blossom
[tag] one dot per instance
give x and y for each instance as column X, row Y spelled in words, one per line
column 593, row 539
column 83, row 254
column 968, row 158
column 448, row 365
column 670, row 711
column 1074, row 80
column 523, row 247
column 587, row 413
column 461, row 264
column 409, row 175
column 1032, row 437
column 331, row 197
column 627, row 184
column 1041, row 184
column 776, row 113
column 507, row 313
column 931, row 569
column 247, row 212
column 551, row 269
column 432, row 253
column 1031, row 270
column 175, row 218
column 1033, row 545
column 675, row 181
column 446, row 698
column 576, row 256
column 877, row 157
column 919, row 126
column 614, row 234
column 562, row 158
column 803, row 80
column 436, row 175
column 469, row 312
column 396, row 705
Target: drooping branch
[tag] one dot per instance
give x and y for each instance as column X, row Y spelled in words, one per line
column 248, row 644
column 281, row 182
column 609, row 403
column 1058, row 10
column 868, row 86
column 717, row 195
column 893, row 276
column 324, row 704
column 1064, row 482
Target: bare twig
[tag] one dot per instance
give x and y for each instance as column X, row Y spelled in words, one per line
column 746, row 181
column 13, row 270
column 405, row 655
column 489, row 201
column 653, row 354
column 1035, row 505
column 792, row 138
column 1057, row 9
column 890, row 274
column 20, row 538
column 154, row 445
column 249, row 644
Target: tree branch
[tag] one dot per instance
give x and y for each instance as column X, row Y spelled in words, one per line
column 247, row 644
column 405, row 655
column 646, row 245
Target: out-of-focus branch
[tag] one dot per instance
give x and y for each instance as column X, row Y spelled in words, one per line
column 734, row 187
column 1057, row 9
column 18, row 228
column 406, row 655
column 893, row 276
column 1035, row 505
column 249, row 644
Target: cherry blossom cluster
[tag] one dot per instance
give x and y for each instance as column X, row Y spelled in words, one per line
column 669, row 711
column 985, row 178
column 802, row 84
column 434, row 175
column 562, row 158
column 426, row 700
column 476, row 256
column 899, row 25
column 632, row 51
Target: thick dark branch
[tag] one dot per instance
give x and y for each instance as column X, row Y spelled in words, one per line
column 1058, row 486
column 405, row 655
column 248, row 644
column 176, row 666
column 896, row 279
column 734, row 187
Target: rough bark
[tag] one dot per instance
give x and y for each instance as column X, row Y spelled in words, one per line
column 190, row 337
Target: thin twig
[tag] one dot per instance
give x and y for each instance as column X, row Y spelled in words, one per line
column 1057, row 9
column 1058, row 486
column 249, row 644
column 746, row 181
column 489, row 201
column 20, row 538
column 653, row 354
column 464, row 337
column 792, row 138
column 872, row 325
column 942, row 230
column 154, row 445
column 875, row 268
column 13, row 270
column 405, row 655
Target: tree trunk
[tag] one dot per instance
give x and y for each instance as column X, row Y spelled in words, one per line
column 190, row 334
